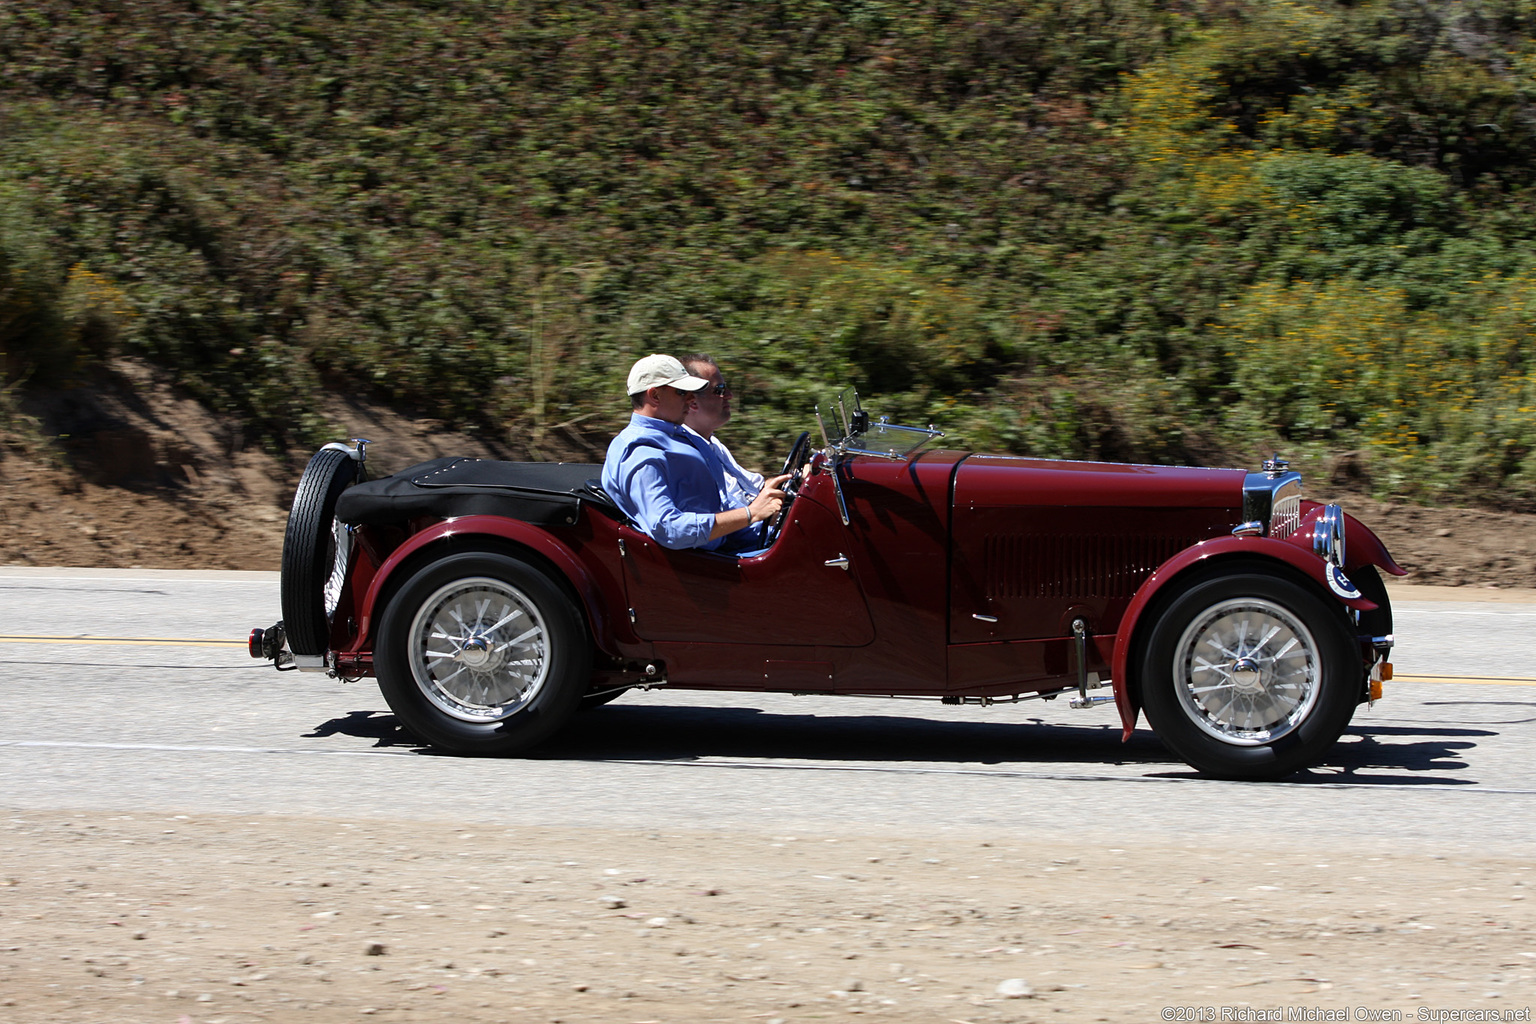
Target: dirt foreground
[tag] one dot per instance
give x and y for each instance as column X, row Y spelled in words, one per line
column 206, row 920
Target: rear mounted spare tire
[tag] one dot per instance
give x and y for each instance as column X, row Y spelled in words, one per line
column 315, row 551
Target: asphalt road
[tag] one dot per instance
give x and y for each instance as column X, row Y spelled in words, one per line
column 189, row 723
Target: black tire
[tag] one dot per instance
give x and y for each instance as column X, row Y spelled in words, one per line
column 1281, row 681
column 311, row 552
column 1378, row 622
column 482, row 653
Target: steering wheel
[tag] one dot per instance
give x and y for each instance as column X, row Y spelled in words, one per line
column 797, row 453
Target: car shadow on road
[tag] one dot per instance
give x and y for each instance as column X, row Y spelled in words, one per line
column 689, row 733
column 1367, row 755
column 384, row 729
column 1377, row 755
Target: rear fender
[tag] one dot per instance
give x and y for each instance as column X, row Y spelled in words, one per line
column 1297, row 556
column 468, row 528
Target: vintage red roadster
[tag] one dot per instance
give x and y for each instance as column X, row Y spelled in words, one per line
column 493, row 600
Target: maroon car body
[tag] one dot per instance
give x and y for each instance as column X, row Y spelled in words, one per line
column 965, row 577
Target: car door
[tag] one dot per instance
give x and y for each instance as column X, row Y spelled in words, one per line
column 803, row 591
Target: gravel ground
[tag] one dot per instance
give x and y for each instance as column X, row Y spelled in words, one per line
column 209, row 920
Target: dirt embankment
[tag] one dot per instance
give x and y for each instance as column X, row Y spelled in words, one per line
column 142, row 476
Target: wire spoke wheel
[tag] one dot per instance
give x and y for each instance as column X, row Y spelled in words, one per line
column 479, row 649
column 1247, row 671
column 482, row 653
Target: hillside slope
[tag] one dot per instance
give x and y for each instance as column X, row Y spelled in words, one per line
column 185, row 491
column 1192, row 232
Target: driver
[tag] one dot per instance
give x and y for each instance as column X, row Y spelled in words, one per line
column 710, row 411
column 664, row 477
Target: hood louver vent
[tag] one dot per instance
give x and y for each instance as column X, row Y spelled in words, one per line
column 1026, row 566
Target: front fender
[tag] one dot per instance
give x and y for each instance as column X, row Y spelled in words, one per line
column 1298, row 556
column 1361, row 545
column 501, row 528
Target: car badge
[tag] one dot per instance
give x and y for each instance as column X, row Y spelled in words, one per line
column 1341, row 584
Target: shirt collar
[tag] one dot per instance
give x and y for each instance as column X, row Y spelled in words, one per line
column 665, row 426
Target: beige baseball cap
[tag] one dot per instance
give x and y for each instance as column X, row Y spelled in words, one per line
column 655, row 371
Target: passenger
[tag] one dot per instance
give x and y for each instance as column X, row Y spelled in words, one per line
column 710, row 411
column 666, row 479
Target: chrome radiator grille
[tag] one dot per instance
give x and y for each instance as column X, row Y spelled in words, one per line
column 1287, row 513
column 1273, row 498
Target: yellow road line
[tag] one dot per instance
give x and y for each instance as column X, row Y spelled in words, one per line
column 124, row 641
column 149, row 641
column 1470, row 680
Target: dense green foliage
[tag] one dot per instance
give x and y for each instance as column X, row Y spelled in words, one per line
column 1162, row 230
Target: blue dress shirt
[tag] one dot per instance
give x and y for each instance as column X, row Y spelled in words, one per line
column 659, row 475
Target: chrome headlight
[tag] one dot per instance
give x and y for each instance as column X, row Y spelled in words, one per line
column 1328, row 535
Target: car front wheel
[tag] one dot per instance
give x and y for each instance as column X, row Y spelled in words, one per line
column 482, row 653
column 1249, row 676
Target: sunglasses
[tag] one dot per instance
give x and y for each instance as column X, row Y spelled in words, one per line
column 721, row 389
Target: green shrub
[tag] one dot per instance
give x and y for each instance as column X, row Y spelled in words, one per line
column 1077, row 228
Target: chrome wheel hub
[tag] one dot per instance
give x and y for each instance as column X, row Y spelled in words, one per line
column 1246, row 677
column 1247, row 671
column 479, row 649
column 476, row 652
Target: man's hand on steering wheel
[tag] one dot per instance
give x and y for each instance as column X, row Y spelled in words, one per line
column 769, row 500
column 799, row 452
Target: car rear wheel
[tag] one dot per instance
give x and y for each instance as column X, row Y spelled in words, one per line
column 482, row 653
column 316, row 548
column 1249, row 676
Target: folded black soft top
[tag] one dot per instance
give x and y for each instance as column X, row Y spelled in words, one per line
column 542, row 493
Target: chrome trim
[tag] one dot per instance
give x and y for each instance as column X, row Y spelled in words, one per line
column 840, row 562
column 983, row 618
column 1247, row 671
column 1273, row 498
column 837, row 489
column 1328, row 535
column 1085, row 680
column 954, row 699
column 479, row 649
column 1254, row 528
column 357, row 449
